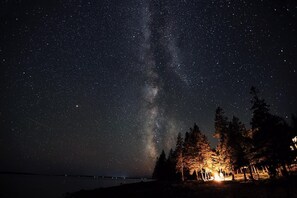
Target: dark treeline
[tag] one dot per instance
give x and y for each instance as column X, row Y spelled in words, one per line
column 267, row 150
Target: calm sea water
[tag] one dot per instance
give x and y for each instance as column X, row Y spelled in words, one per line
column 16, row 186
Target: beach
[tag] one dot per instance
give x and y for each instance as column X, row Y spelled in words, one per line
column 276, row 188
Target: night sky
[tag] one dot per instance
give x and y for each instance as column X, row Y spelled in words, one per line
column 100, row 87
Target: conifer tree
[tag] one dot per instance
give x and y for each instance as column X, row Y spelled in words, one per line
column 197, row 152
column 271, row 137
column 160, row 167
column 179, row 156
column 191, row 151
column 170, row 166
column 221, row 132
column 237, row 156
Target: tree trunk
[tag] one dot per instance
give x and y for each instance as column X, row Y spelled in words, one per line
column 244, row 175
column 256, row 171
column 288, row 168
column 295, row 147
column 233, row 178
column 251, row 173
column 279, row 172
column 285, row 171
column 197, row 175
column 203, row 175
column 182, row 173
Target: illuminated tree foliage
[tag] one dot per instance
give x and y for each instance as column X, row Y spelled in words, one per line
column 196, row 153
column 221, row 132
column 267, row 148
column 233, row 147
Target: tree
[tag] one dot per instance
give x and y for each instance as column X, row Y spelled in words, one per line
column 221, row 123
column 191, row 151
column 160, row 167
column 261, row 136
column 205, row 156
column 247, row 147
column 294, row 138
column 236, row 153
column 260, row 110
column 294, row 132
column 197, row 152
column 170, row 166
column 271, row 137
column 221, row 132
column 179, row 156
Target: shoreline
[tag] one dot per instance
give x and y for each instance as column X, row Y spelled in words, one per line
column 75, row 175
column 263, row 188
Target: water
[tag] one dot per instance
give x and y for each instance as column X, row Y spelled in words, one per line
column 16, row 186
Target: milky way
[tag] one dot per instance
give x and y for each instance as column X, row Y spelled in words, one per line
column 101, row 87
column 159, row 54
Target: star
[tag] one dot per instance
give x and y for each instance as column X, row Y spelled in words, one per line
column 126, row 78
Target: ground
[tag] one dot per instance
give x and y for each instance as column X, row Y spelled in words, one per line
column 275, row 188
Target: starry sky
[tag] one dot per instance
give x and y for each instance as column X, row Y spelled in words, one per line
column 100, row 87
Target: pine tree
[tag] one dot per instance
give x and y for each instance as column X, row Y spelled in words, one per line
column 237, row 156
column 186, row 155
column 294, row 138
column 170, row 166
column 197, row 152
column 179, row 156
column 191, row 151
column 294, row 132
column 205, row 153
column 261, row 137
column 221, row 123
column 160, row 167
column 260, row 110
column 221, row 132
column 247, row 147
column 271, row 137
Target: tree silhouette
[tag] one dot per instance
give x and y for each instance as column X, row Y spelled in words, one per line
column 235, row 142
column 170, row 166
column 160, row 167
column 260, row 110
column 271, row 137
column 294, row 133
column 179, row 156
column 221, row 132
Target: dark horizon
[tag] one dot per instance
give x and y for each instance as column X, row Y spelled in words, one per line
column 102, row 87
